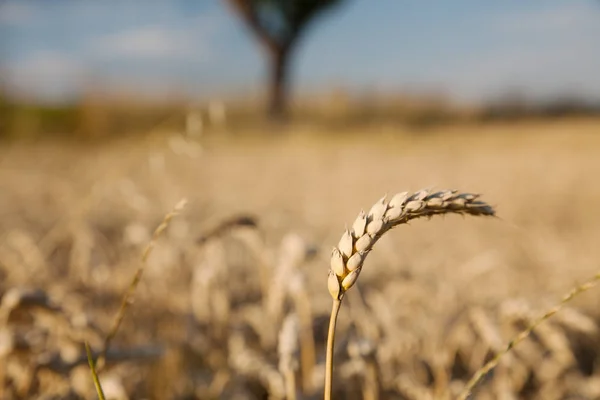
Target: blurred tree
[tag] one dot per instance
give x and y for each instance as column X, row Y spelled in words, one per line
column 278, row 25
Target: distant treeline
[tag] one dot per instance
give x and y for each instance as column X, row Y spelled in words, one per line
column 85, row 119
column 99, row 118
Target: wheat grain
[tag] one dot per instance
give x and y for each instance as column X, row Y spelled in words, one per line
column 363, row 352
column 80, row 257
column 288, row 353
column 204, row 280
column 248, row 362
column 226, row 225
column 554, row 348
column 575, row 320
column 302, row 300
column 411, row 389
column 348, row 257
column 291, row 254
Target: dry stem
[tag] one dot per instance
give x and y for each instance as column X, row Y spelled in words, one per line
column 335, row 310
column 483, row 371
column 136, row 279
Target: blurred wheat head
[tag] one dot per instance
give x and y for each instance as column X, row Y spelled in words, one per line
column 296, row 349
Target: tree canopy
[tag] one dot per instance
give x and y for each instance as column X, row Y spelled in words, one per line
column 278, row 24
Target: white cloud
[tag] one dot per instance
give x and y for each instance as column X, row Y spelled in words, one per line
column 152, row 42
column 54, row 68
column 15, row 14
column 48, row 74
column 193, row 39
column 564, row 17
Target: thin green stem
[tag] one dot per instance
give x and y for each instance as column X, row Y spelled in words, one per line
column 93, row 372
column 137, row 277
column 483, row 371
column 335, row 310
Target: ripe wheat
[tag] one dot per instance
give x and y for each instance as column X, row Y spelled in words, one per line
column 348, row 257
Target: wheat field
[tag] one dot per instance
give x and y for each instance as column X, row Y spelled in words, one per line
column 233, row 302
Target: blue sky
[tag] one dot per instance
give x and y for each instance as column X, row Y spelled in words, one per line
column 469, row 49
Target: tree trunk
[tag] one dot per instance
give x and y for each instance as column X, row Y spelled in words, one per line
column 278, row 84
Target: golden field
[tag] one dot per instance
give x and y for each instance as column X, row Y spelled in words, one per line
column 436, row 299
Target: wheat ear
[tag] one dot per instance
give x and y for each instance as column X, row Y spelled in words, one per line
column 483, row 371
column 348, row 257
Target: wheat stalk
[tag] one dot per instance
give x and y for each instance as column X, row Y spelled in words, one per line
column 248, row 362
column 348, row 257
column 127, row 297
column 301, row 298
column 483, row 371
column 92, row 365
column 288, row 353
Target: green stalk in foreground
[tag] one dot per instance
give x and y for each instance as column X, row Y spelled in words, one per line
column 348, row 257
column 490, row 365
column 127, row 298
column 137, row 277
column 94, row 373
